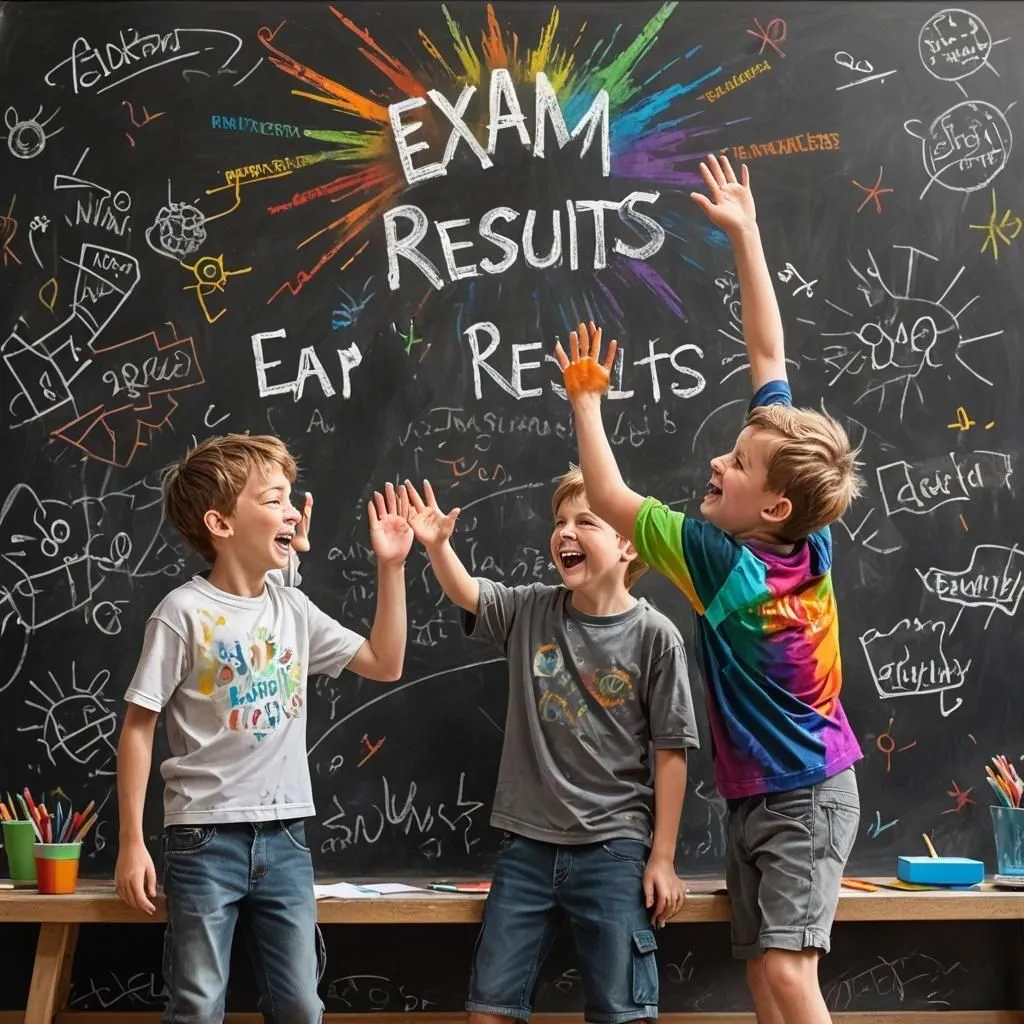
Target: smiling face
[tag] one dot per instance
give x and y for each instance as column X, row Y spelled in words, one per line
column 738, row 498
column 587, row 552
column 258, row 534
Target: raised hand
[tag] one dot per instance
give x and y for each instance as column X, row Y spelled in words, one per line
column 300, row 542
column 583, row 370
column 391, row 535
column 731, row 203
column 431, row 526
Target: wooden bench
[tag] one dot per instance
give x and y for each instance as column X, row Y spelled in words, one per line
column 95, row 902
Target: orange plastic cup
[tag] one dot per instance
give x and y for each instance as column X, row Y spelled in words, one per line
column 57, row 867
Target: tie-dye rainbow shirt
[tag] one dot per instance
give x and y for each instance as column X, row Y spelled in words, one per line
column 768, row 646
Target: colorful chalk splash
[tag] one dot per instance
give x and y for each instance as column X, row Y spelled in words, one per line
column 617, row 84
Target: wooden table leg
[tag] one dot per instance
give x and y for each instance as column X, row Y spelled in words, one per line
column 51, row 974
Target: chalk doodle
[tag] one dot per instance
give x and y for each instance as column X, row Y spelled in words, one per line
column 56, row 556
column 143, row 374
column 873, row 193
column 100, row 208
column 965, row 147
column 179, row 229
column 210, row 277
column 954, row 44
column 908, row 340
column 770, row 35
column 78, row 721
column 993, row 579
column 1004, row 230
column 8, row 229
column 909, row 660
column 26, row 137
column 139, row 124
column 886, row 743
column 348, row 311
column 45, row 369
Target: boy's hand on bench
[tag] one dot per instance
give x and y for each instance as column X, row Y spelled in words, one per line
column 664, row 891
column 135, row 877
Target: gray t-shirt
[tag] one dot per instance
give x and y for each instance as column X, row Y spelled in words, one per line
column 588, row 699
column 231, row 672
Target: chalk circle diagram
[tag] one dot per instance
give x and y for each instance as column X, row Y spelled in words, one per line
column 953, row 44
column 77, row 722
column 965, row 147
column 27, row 138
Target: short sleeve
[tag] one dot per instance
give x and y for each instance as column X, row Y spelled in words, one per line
column 331, row 645
column 772, row 392
column 494, row 616
column 165, row 661
column 695, row 555
column 670, row 702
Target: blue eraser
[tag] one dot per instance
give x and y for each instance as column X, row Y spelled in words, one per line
column 940, row 870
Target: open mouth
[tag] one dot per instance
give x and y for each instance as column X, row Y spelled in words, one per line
column 712, row 489
column 284, row 542
column 570, row 559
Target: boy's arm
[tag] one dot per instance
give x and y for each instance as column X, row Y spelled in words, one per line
column 586, row 379
column 731, row 208
column 382, row 657
column 433, row 529
column 662, row 887
column 134, row 874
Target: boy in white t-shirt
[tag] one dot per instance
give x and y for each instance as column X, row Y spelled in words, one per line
column 227, row 655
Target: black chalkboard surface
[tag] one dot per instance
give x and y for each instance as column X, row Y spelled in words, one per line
column 362, row 226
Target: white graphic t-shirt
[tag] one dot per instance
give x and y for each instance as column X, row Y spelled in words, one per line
column 231, row 672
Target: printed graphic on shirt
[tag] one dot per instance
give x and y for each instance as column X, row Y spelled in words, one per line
column 256, row 685
column 559, row 698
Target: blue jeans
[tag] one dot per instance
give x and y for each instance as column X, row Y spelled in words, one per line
column 262, row 874
column 599, row 886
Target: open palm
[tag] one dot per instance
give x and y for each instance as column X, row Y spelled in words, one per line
column 431, row 526
column 731, row 203
column 390, row 534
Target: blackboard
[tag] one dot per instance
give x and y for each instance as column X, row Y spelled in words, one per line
column 195, row 207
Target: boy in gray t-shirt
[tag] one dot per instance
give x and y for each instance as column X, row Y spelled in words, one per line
column 227, row 657
column 590, row 812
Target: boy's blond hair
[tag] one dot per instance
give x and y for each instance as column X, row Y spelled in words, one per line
column 212, row 476
column 812, row 463
column 570, row 488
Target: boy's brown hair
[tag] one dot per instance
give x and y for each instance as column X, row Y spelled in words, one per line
column 212, row 476
column 813, row 464
column 570, row 488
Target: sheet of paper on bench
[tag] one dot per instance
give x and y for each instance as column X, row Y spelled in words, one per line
column 348, row 891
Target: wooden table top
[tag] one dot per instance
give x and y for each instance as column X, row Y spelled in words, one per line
column 95, row 901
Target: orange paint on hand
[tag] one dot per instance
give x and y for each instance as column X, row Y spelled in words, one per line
column 585, row 377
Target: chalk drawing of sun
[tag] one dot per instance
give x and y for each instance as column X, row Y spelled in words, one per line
column 77, row 723
column 904, row 339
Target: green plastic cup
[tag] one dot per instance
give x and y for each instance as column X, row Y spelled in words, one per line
column 19, row 844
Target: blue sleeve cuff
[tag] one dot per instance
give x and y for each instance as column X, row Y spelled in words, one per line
column 773, row 392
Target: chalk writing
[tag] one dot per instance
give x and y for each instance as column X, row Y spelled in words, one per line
column 922, row 488
column 908, row 659
column 993, row 579
column 954, row 44
column 112, row 63
column 965, row 147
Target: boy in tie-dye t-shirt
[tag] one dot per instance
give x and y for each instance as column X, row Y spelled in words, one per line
column 756, row 567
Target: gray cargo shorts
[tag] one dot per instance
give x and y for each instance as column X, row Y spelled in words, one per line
column 784, row 864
